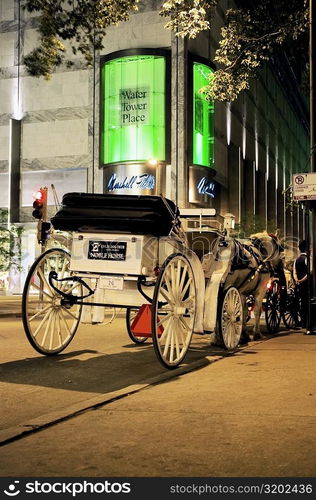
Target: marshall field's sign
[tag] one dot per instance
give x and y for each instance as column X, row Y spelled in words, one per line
column 135, row 178
column 141, row 182
column 134, row 106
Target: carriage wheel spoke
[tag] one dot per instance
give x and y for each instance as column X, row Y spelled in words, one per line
column 169, row 289
column 40, row 312
column 47, row 327
column 166, row 329
column 177, row 344
column 69, row 313
column 178, row 273
column 52, row 329
column 165, row 294
column 173, row 277
column 34, row 285
column 161, row 321
column 44, row 280
column 73, row 287
column 183, row 332
column 188, row 283
column 59, row 329
column 184, row 323
column 65, row 322
column 168, row 335
column 171, row 350
column 184, row 274
column 42, row 322
column 63, row 269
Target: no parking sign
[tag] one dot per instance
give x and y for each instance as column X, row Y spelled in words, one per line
column 304, row 186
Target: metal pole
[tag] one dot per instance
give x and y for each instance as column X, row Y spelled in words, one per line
column 309, row 325
column 312, row 82
column 311, row 238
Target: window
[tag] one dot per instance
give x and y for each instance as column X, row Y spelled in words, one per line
column 65, row 180
column 4, row 183
column 133, row 99
column 203, row 118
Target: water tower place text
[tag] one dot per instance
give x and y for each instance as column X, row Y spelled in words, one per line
column 134, row 106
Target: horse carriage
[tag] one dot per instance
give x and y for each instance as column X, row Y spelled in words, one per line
column 141, row 253
column 282, row 303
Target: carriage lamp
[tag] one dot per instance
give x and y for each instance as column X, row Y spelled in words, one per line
column 229, row 221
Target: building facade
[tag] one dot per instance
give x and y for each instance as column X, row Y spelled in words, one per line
column 135, row 122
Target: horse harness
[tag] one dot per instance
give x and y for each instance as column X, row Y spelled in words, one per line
column 242, row 260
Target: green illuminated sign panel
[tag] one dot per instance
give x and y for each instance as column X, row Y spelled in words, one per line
column 203, row 118
column 133, row 109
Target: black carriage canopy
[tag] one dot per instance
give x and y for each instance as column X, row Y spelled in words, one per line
column 90, row 212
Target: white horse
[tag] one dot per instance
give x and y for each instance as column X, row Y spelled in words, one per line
column 255, row 260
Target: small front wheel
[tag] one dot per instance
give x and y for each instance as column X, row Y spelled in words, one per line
column 131, row 313
column 291, row 312
column 48, row 324
column 230, row 318
column 272, row 309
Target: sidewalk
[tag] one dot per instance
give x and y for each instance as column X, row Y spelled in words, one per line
column 249, row 414
column 10, row 306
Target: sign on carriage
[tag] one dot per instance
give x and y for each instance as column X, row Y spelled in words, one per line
column 111, row 282
column 107, row 250
column 304, row 186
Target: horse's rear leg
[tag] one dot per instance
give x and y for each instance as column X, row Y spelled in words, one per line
column 257, row 313
column 244, row 335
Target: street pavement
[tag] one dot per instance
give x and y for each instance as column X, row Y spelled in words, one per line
column 107, row 408
column 10, row 306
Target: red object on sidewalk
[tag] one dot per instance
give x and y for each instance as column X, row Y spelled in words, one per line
column 141, row 325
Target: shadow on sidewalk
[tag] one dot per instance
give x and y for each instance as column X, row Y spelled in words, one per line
column 91, row 371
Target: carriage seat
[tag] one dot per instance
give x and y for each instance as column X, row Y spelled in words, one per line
column 90, row 212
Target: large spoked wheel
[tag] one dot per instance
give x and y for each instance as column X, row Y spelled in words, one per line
column 49, row 326
column 272, row 310
column 291, row 311
column 131, row 313
column 173, row 310
column 230, row 318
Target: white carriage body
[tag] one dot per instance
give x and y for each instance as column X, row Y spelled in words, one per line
column 115, row 282
column 112, row 262
column 114, row 253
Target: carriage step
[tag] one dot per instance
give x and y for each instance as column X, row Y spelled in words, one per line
column 141, row 325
